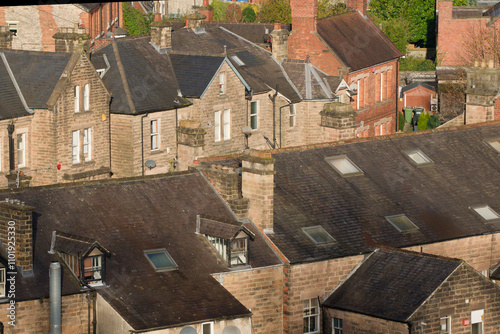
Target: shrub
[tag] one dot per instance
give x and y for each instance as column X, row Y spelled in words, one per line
column 276, row 11
column 219, row 7
column 248, row 14
column 401, row 121
column 433, row 122
column 416, row 64
column 135, row 22
column 422, row 121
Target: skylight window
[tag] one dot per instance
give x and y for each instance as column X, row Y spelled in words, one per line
column 402, row 223
column 237, row 60
column 494, row 143
column 418, row 157
column 318, row 234
column 160, row 259
column 486, row 212
column 344, row 166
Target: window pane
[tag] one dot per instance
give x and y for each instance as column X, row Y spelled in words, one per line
column 487, row 213
column 227, row 124
column 21, row 149
column 160, row 260
column 86, row 143
column 77, row 98
column 76, row 146
column 86, row 97
column 154, row 135
column 217, row 128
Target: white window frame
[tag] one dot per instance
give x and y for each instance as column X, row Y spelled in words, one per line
column 486, row 213
column 357, row 96
column 226, row 119
column 3, row 284
column 476, row 317
column 21, row 149
column 15, row 25
column 293, row 113
column 256, row 115
column 219, row 244
column 222, row 83
column 338, row 329
column 239, row 253
column 86, row 97
column 1, row 155
column 211, row 327
column 217, row 126
column 75, row 146
column 446, row 330
column 155, row 134
column 87, row 144
column 309, row 315
column 381, row 86
column 77, row 98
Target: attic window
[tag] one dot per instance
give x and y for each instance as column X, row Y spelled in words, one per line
column 13, row 28
column 160, row 259
column 402, row 223
column 344, row 166
column 486, row 213
column 494, row 143
column 318, row 234
column 237, row 60
column 418, row 157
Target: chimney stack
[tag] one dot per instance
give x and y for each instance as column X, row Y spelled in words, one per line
column 5, row 38
column 161, row 34
column 208, row 11
column 196, row 22
column 70, row 39
column 279, row 42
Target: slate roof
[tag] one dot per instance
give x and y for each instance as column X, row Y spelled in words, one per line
column 415, row 85
column 356, row 41
column 11, row 105
column 436, row 198
column 222, row 229
column 73, row 244
column 261, row 72
column 36, row 73
column 151, row 81
column 311, row 82
column 253, row 32
column 195, row 72
column 128, row 217
column 391, row 284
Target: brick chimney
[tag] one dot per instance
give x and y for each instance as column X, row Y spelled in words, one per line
column 338, row 121
column 5, row 38
column 257, row 186
column 17, row 217
column 482, row 89
column 191, row 141
column 279, row 42
column 69, row 39
column 304, row 15
column 161, row 34
column 208, row 11
column 360, row 5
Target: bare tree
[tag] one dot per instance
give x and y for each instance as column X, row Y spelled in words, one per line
column 480, row 42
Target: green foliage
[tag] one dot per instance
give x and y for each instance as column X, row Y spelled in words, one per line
column 422, row 121
column 135, row 22
column 248, row 14
column 433, row 122
column 416, row 64
column 276, row 10
column 398, row 32
column 464, row 2
column 220, row 8
column 401, row 121
column 419, row 16
column 328, row 8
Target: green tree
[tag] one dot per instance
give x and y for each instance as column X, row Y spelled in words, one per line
column 422, row 121
column 248, row 14
column 135, row 22
column 416, row 64
column 328, row 8
column 464, row 2
column 276, row 10
column 398, row 31
column 220, row 8
column 433, row 122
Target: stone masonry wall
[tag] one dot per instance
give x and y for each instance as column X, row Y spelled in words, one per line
column 363, row 324
column 261, row 291
column 33, row 316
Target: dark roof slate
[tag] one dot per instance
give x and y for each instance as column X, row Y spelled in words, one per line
column 131, row 216
column 253, row 32
column 356, row 40
column 149, row 75
column 415, row 85
column 309, row 192
column 11, row 105
column 261, row 72
column 222, row 229
column 195, row 72
column 318, row 88
column 37, row 73
column 73, row 244
column 391, row 284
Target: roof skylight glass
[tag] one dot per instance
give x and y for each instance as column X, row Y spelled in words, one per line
column 318, row 234
column 402, row 223
column 486, row 212
column 344, row 166
column 418, row 157
column 495, row 143
column 237, row 60
column 160, row 259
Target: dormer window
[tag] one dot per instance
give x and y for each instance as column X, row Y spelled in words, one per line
column 229, row 239
column 85, row 257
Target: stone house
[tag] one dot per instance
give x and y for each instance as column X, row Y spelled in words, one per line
column 33, row 27
column 325, row 206
column 352, row 46
column 427, row 295
column 55, row 119
column 125, row 265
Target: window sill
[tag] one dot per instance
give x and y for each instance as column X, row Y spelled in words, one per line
column 155, row 152
column 82, row 113
column 83, row 164
column 223, row 142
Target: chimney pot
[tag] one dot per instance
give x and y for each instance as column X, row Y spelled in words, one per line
column 277, row 25
column 157, row 17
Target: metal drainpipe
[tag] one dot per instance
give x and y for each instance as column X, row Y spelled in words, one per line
column 397, row 96
column 176, row 141
column 109, row 134
column 10, row 131
column 55, row 297
column 273, row 99
column 142, row 141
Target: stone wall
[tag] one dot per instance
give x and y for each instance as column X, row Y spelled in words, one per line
column 363, row 324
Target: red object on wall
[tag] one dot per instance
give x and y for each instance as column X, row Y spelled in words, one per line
column 466, row 322
column 58, row 166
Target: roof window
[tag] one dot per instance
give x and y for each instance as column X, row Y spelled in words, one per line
column 486, row 212
column 237, row 60
column 418, row 157
column 318, row 234
column 160, row 259
column 402, row 223
column 494, row 143
column 344, row 166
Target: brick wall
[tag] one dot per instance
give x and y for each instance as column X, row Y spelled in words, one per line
column 419, row 97
column 33, row 316
column 363, row 324
column 261, row 291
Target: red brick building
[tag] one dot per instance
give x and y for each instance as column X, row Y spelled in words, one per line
column 352, row 46
column 419, row 94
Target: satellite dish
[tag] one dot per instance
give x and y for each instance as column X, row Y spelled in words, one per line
column 150, row 164
column 247, row 130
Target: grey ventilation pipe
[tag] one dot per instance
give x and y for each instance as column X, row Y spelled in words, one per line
column 55, row 297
